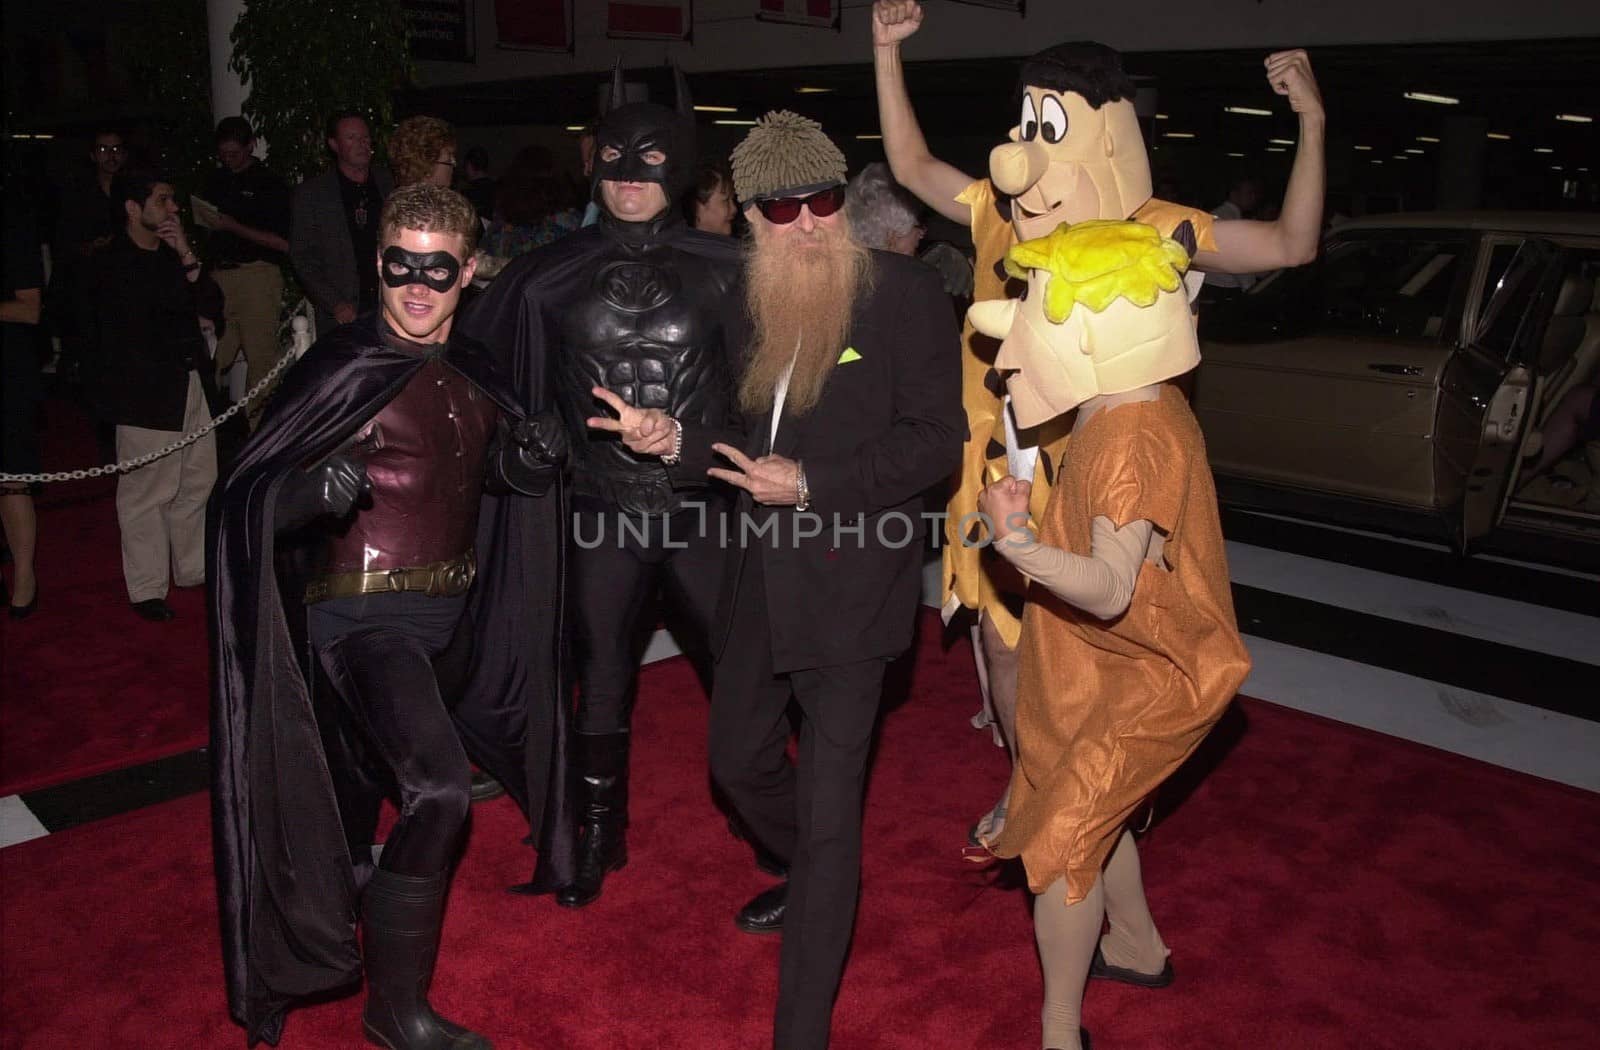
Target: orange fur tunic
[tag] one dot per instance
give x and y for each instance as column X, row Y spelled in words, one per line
column 1107, row 710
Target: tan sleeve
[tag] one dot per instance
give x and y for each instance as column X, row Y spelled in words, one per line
column 1100, row 584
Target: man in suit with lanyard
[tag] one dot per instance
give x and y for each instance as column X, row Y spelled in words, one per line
column 850, row 405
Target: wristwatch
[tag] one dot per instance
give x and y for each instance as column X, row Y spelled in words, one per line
column 671, row 458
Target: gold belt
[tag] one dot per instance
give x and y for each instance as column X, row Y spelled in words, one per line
column 442, row 579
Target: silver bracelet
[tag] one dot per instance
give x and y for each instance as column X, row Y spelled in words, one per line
column 671, row 459
column 802, row 491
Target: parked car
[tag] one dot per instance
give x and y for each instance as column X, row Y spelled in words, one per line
column 1418, row 377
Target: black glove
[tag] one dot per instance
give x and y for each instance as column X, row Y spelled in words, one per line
column 331, row 487
column 528, row 456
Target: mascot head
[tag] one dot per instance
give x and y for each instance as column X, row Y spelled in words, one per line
column 1076, row 152
column 1105, row 312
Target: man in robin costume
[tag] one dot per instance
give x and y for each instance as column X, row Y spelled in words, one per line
column 393, row 511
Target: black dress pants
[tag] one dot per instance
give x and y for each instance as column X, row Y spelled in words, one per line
column 807, row 814
column 377, row 652
column 617, row 562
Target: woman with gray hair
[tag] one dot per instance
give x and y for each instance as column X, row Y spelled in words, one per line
column 883, row 213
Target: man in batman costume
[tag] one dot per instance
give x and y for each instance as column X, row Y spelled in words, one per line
column 395, row 509
column 631, row 311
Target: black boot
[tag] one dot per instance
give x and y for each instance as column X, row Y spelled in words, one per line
column 602, row 814
column 403, row 915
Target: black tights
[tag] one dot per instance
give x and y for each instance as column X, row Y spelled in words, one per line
column 617, row 561
column 377, row 652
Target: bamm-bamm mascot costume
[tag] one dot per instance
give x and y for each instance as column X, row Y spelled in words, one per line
column 1129, row 648
column 634, row 307
column 1077, row 153
column 357, row 517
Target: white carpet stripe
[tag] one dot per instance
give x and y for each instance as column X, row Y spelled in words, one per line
column 1486, row 617
column 1502, row 732
column 17, row 822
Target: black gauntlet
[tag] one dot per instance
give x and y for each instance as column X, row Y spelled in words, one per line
column 331, row 487
column 528, row 455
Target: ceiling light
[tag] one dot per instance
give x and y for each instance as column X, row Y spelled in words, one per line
column 735, row 123
column 1499, row 136
column 1281, row 142
column 1426, row 138
column 1276, row 149
column 1236, row 154
column 716, row 109
column 813, row 91
column 1247, row 111
column 1367, row 148
column 868, row 137
column 1543, row 149
column 1555, row 167
column 1401, row 156
column 1423, row 96
column 1177, row 134
column 576, row 127
column 1161, row 116
column 1375, row 160
column 1574, row 118
column 1416, row 152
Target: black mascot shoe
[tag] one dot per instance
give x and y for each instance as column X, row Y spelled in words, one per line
column 764, row 913
column 1102, row 970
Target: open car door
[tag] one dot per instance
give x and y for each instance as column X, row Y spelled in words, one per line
column 1489, row 393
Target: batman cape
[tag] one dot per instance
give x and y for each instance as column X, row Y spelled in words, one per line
column 293, row 806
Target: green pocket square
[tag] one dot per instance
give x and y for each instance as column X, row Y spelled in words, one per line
column 849, row 355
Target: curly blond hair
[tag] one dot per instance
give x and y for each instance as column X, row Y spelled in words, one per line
column 415, row 147
column 428, row 208
column 784, row 151
column 1098, row 262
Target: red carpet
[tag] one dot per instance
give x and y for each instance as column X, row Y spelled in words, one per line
column 88, row 686
column 1321, row 887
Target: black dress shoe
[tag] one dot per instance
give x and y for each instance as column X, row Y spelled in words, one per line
column 22, row 612
column 485, row 787
column 1099, row 968
column 764, row 913
column 156, row 610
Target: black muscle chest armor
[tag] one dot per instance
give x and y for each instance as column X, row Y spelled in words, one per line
column 649, row 328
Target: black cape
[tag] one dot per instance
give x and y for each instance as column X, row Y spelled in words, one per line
column 284, row 829
column 519, row 316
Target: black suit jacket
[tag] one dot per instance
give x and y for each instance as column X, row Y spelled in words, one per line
column 843, row 579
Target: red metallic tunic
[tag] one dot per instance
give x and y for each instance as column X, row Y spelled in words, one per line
column 425, row 453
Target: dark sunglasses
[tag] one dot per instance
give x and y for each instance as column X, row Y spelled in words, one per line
column 781, row 211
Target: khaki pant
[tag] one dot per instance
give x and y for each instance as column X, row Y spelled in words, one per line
column 161, row 508
column 252, row 299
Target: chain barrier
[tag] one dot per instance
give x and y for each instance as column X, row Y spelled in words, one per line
column 290, row 355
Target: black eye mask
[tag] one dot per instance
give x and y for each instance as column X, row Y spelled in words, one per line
column 401, row 267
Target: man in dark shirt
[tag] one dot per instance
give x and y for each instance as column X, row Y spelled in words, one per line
column 334, row 226
column 141, row 299
column 478, row 187
column 249, row 240
column 83, row 221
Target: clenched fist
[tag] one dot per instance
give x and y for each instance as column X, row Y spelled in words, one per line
column 1289, row 73
column 894, row 20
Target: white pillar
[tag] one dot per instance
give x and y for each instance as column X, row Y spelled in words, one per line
column 227, row 93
